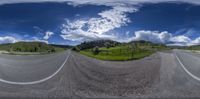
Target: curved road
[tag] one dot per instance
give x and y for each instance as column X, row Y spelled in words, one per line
column 28, row 69
column 190, row 62
column 169, row 74
column 179, row 75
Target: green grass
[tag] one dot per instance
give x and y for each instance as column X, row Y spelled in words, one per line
column 119, row 53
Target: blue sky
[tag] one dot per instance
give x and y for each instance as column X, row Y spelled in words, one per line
column 72, row 22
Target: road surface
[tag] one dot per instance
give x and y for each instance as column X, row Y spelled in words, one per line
column 171, row 74
column 15, row 68
column 175, row 75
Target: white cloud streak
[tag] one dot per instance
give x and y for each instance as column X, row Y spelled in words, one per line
column 33, row 39
column 96, row 28
column 7, row 39
column 48, row 34
column 10, row 39
column 99, row 2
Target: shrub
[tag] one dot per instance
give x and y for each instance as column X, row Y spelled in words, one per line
column 96, row 50
column 107, row 45
column 76, row 49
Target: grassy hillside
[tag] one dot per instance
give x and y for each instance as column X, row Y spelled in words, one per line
column 99, row 43
column 193, row 47
column 196, row 47
column 121, row 51
column 32, row 47
column 5, row 47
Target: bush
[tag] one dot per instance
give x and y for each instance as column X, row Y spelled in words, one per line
column 107, row 45
column 76, row 49
column 96, row 50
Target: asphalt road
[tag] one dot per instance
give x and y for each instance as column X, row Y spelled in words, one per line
column 176, row 80
column 15, row 68
column 190, row 62
column 172, row 74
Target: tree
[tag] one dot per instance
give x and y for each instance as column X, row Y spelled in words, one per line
column 53, row 50
column 107, row 45
column 96, row 50
column 133, row 47
column 76, row 49
column 35, row 49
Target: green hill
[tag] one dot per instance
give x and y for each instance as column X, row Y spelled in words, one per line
column 5, row 47
column 111, row 50
column 194, row 47
column 99, row 43
column 33, row 47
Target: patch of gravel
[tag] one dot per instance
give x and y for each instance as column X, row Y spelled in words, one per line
column 96, row 78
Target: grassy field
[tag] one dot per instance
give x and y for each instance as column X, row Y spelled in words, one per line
column 119, row 53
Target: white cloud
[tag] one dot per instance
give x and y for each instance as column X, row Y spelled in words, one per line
column 152, row 36
column 99, row 2
column 36, row 39
column 38, row 30
column 10, row 39
column 33, row 39
column 96, row 28
column 7, row 39
column 186, row 41
column 48, row 34
column 196, row 41
column 180, row 39
column 163, row 37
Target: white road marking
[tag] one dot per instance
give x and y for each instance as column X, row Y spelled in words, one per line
column 187, row 71
column 38, row 81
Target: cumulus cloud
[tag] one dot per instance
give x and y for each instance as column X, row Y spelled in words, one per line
column 180, row 39
column 185, row 41
column 48, row 34
column 96, row 28
column 7, row 39
column 153, row 36
column 163, row 37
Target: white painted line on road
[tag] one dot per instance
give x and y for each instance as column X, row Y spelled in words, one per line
column 38, row 81
column 187, row 71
